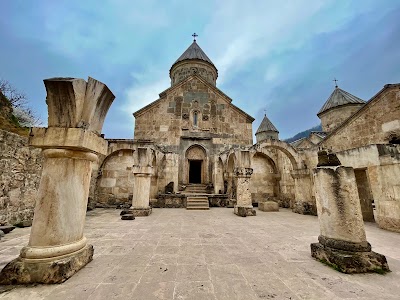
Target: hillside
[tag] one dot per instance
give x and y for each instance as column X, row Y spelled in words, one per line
column 304, row 133
column 7, row 120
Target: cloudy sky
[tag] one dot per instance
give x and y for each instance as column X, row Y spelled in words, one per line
column 279, row 56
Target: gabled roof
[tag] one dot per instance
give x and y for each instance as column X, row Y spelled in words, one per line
column 340, row 97
column 359, row 112
column 266, row 125
column 194, row 52
column 214, row 88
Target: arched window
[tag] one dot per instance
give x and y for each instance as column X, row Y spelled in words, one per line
column 195, row 119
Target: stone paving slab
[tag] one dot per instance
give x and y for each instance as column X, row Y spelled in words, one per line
column 214, row 254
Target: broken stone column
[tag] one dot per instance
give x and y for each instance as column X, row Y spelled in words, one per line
column 342, row 242
column 142, row 173
column 244, row 205
column 57, row 248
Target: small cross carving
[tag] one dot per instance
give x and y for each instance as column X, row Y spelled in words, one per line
column 335, row 80
column 194, row 35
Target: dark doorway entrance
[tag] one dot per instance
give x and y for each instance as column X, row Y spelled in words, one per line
column 195, row 171
column 365, row 194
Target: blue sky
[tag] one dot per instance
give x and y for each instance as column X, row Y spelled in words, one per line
column 280, row 56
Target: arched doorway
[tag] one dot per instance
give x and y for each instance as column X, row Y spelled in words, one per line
column 196, row 161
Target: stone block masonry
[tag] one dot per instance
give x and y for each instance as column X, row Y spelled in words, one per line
column 20, row 169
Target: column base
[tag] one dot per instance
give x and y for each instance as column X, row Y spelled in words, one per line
column 244, row 211
column 28, row 271
column 141, row 212
column 350, row 261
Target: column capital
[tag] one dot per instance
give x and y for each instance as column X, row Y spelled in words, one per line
column 67, row 138
column 243, row 172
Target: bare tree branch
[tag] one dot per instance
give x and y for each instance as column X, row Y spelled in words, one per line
column 24, row 114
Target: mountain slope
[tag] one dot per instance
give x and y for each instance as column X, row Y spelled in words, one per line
column 304, row 133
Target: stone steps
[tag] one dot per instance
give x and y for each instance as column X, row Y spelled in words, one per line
column 196, row 188
column 199, row 203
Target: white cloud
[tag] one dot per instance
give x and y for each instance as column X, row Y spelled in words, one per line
column 144, row 90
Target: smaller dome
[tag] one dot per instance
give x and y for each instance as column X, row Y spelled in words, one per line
column 339, row 97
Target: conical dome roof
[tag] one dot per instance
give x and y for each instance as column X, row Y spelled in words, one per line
column 266, row 125
column 339, row 97
column 194, row 52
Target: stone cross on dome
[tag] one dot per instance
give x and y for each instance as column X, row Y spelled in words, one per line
column 335, row 80
column 194, row 35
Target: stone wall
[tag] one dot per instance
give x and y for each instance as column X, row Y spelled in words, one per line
column 20, row 169
column 376, row 123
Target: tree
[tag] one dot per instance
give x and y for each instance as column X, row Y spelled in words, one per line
column 21, row 110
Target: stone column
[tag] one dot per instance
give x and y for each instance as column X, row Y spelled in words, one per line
column 244, row 206
column 57, row 248
column 342, row 243
column 304, row 203
column 142, row 173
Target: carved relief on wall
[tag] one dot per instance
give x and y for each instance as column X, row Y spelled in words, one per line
column 195, row 152
column 185, row 116
column 205, row 117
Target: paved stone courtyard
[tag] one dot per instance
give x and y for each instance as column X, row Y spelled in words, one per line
column 180, row 254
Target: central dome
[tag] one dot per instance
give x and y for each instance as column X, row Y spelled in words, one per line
column 193, row 61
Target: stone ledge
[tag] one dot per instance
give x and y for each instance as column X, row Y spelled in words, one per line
column 21, row 271
column 349, row 261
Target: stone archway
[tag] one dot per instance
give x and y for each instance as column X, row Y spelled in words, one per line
column 264, row 181
column 196, row 165
column 115, row 180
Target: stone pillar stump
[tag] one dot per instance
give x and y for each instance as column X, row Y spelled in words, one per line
column 57, row 248
column 342, row 242
column 244, row 206
column 142, row 172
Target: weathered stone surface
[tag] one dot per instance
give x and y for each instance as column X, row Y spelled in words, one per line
column 304, row 207
column 6, row 229
column 326, row 159
column 339, row 209
column 125, row 212
column 128, row 217
column 24, row 223
column 2, row 233
column 21, row 271
column 20, row 168
column 141, row 212
column 268, row 206
column 244, row 211
column 350, row 261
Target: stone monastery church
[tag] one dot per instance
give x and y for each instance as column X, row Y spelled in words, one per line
column 193, row 149
column 198, row 150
